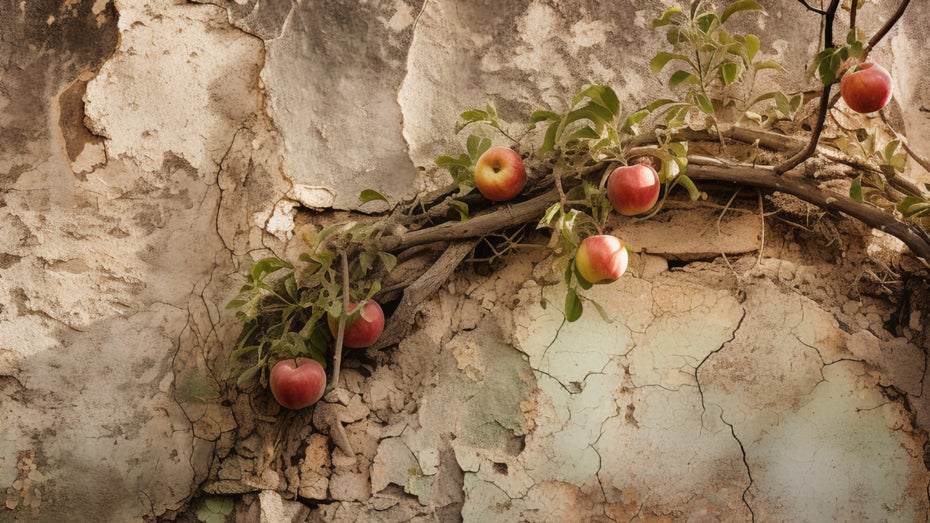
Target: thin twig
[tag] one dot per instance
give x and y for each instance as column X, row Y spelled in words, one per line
column 811, row 146
column 340, row 333
column 812, row 8
column 889, row 24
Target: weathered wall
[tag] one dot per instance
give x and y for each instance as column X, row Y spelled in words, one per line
column 150, row 149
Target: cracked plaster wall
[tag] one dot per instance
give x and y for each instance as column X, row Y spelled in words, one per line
column 150, row 149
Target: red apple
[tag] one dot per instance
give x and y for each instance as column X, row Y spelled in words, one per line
column 499, row 174
column 364, row 330
column 601, row 259
column 297, row 384
column 633, row 189
column 867, row 88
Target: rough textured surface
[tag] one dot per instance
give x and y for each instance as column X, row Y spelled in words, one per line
column 151, row 149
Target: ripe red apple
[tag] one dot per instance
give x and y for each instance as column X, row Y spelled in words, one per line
column 601, row 258
column 633, row 189
column 297, row 384
column 867, row 88
column 499, row 174
column 364, row 330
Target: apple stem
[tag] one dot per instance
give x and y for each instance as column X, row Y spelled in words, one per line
column 337, row 358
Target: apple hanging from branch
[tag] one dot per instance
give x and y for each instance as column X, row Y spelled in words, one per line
column 866, row 88
column 633, row 189
column 362, row 331
column 297, row 383
column 499, row 174
column 601, row 258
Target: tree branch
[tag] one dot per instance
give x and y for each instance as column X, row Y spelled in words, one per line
column 808, row 150
column 812, row 8
column 766, row 178
column 890, row 23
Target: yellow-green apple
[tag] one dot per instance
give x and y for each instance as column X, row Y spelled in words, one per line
column 633, row 189
column 499, row 174
column 601, row 259
column 866, row 88
column 297, row 383
column 362, row 331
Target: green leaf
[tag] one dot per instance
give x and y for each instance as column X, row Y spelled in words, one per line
column 890, row 148
column 768, row 64
column 474, row 115
column 600, row 310
column 573, row 307
column 660, row 60
column 369, row 195
column 681, row 76
column 549, row 139
column 666, row 17
column 707, row 21
column 388, row 260
column 855, row 190
column 753, row 44
column 602, row 95
column 704, row 103
column 659, row 103
column 461, row 208
column 549, row 215
column 541, row 116
column 585, row 133
column 250, row 372
column 741, row 5
column 632, row 120
column 729, row 71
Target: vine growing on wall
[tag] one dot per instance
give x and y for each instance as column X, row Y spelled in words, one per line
column 571, row 172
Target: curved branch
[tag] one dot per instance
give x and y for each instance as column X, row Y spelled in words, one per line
column 808, row 150
column 812, row 8
column 878, row 36
column 765, row 178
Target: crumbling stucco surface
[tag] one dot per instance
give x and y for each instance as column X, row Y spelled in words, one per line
column 151, row 149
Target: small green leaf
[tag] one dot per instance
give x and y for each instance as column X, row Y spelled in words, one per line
column 573, row 307
column 753, row 44
column 585, row 133
column 680, row 76
column 601, row 95
column 388, row 260
column 704, row 103
column 461, row 208
column 369, row 195
column 541, row 116
column 855, row 190
column 549, row 139
column 729, row 71
column 665, row 19
column 660, row 103
column 600, row 310
column 660, row 60
column 631, row 121
column 474, row 115
column 250, row 372
column 549, row 215
column 768, row 64
column 741, row 5
column 707, row 21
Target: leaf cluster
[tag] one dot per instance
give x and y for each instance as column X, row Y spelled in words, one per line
column 283, row 307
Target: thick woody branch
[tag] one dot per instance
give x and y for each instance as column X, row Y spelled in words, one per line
column 765, row 178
